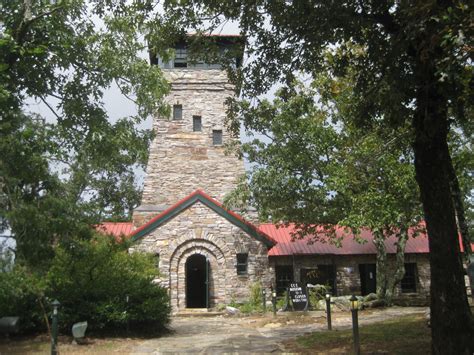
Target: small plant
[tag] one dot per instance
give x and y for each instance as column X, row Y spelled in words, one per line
column 281, row 301
column 317, row 294
column 220, row 307
column 256, row 296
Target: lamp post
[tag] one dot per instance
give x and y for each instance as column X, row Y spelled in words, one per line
column 54, row 335
column 328, row 310
column 355, row 323
column 128, row 317
column 274, row 297
column 264, row 300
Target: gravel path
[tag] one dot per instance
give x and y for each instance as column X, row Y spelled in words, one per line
column 243, row 335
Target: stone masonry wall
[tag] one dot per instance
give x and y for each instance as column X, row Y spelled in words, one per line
column 347, row 271
column 182, row 161
column 200, row 230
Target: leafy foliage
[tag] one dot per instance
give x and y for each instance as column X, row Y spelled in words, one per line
column 22, row 295
column 95, row 281
column 411, row 63
column 62, row 175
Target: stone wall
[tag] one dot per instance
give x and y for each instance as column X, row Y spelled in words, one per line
column 199, row 230
column 182, row 161
column 347, row 271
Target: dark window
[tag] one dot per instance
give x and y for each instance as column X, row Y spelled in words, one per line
column 408, row 283
column 181, row 59
column 242, row 259
column 157, row 260
column 177, row 112
column 217, row 137
column 197, row 126
column 322, row 275
column 283, row 278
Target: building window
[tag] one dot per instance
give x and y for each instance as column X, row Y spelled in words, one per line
column 217, row 137
column 177, row 112
column 197, row 124
column 408, row 283
column 181, row 59
column 157, row 260
column 283, row 278
column 321, row 275
column 242, row 262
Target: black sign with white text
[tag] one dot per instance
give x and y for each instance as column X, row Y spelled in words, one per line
column 298, row 297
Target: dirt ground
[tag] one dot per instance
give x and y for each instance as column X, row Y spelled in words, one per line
column 212, row 335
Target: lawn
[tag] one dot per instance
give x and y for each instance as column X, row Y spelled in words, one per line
column 41, row 345
column 406, row 335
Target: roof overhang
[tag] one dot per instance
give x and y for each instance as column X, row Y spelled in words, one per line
column 187, row 202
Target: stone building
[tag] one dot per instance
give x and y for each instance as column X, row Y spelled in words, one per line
column 208, row 255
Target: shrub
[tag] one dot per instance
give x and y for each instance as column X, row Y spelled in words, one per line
column 100, row 282
column 21, row 295
column 95, row 281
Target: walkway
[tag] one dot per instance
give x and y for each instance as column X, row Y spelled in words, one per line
column 243, row 335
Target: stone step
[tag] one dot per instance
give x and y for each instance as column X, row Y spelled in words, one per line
column 198, row 312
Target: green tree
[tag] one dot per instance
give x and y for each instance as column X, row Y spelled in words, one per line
column 58, row 178
column 338, row 174
column 414, row 67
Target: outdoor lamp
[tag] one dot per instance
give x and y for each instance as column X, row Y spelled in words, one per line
column 354, row 303
column 55, row 305
column 328, row 310
column 355, row 323
column 274, row 294
column 54, row 326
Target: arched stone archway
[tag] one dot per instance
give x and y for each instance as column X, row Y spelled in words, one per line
column 216, row 273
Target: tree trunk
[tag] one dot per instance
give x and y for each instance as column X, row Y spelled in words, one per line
column 451, row 320
column 399, row 264
column 459, row 208
column 381, row 265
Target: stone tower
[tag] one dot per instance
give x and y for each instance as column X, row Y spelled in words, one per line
column 188, row 151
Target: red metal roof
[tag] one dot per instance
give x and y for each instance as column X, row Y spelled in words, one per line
column 116, row 229
column 286, row 246
column 349, row 246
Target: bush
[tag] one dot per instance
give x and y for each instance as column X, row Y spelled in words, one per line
column 96, row 281
column 21, row 295
column 100, row 282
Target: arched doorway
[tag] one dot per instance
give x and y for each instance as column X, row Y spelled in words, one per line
column 197, row 281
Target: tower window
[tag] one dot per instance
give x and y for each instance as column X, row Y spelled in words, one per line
column 217, row 137
column 197, row 124
column 242, row 261
column 177, row 112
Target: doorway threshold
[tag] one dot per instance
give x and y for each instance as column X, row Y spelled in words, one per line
column 198, row 312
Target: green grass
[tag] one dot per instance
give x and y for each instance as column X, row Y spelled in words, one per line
column 407, row 335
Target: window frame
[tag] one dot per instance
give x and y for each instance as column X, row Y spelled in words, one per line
column 177, row 108
column 241, row 266
column 217, row 137
column 197, row 118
